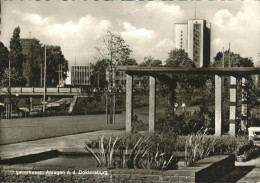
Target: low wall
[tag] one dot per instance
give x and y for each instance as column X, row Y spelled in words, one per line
column 206, row 170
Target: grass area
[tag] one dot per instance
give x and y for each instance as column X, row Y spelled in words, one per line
column 26, row 129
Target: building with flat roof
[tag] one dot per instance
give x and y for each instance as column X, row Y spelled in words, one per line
column 80, row 75
column 181, row 36
column 194, row 38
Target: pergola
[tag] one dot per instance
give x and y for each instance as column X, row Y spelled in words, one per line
column 234, row 72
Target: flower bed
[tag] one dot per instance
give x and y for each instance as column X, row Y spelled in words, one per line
column 158, row 150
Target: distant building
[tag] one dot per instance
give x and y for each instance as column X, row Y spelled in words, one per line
column 194, row 38
column 26, row 44
column 181, row 36
column 68, row 79
column 80, row 75
column 120, row 80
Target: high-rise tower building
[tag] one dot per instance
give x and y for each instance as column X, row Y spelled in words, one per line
column 199, row 42
column 194, row 38
column 181, row 36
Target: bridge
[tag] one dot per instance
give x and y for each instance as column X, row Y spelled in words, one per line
column 39, row 91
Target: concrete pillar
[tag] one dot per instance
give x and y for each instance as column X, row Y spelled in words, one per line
column 244, row 109
column 233, row 105
column 129, row 102
column 152, row 103
column 218, row 104
column 31, row 101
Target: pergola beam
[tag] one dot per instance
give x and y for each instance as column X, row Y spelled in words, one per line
column 226, row 71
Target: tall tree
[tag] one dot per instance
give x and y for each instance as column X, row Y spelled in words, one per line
column 15, row 54
column 179, row 58
column 33, row 64
column 55, row 58
column 4, row 58
column 115, row 51
column 231, row 59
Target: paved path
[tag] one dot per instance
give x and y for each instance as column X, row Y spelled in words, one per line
column 254, row 174
column 244, row 172
column 75, row 142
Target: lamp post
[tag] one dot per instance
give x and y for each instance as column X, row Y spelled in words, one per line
column 44, row 82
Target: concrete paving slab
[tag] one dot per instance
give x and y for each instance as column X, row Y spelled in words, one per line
column 75, row 142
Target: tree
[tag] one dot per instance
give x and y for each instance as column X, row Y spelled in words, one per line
column 98, row 77
column 179, row 58
column 114, row 51
column 151, row 62
column 187, row 83
column 13, row 75
column 15, row 54
column 33, row 64
column 129, row 61
column 232, row 59
column 4, row 58
column 55, row 58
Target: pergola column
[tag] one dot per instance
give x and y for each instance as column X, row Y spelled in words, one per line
column 152, row 103
column 244, row 109
column 218, row 104
column 233, row 105
column 129, row 102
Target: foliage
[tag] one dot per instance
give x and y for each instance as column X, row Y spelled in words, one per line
column 139, row 151
column 54, row 58
column 185, row 124
column 14, row 75
column 33, row 64
column 4, row 58
column 136, row 123
column 15, row 54
column 114, row 51
column 247, row 151
column 98, row 77
column 231, row 59
column 188, row 83
column 150, row 62
column 105, row 155
column 199, row 146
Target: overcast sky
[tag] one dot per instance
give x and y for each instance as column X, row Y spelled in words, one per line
column 148, row 27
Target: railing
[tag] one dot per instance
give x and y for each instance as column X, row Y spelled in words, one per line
column 37, row 90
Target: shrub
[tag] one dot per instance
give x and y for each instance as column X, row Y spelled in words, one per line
column 148, row 150
column 186, row 124
column 247, row 151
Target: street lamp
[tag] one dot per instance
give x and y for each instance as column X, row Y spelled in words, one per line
column 44, row 82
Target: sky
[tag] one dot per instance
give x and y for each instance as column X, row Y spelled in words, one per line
column 146, row 26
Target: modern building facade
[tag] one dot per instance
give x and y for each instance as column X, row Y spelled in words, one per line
column 194, row 38
column 80, row 75
column 181, row 36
